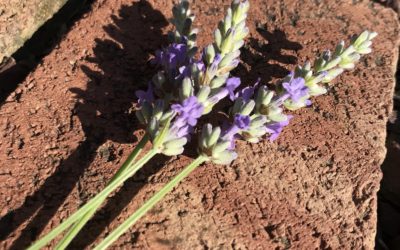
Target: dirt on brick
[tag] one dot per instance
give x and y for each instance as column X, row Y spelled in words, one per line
column 68, row 127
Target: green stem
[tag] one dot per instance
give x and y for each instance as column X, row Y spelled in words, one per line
column 149, row 204
column 93, row 202
column 75, row 229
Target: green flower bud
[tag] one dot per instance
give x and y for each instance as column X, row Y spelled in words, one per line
column 254, row 139
column 212, row 147
column 203, row 93
column 345, row 64
column 228, row 58
column 267, row 99
column 224, row 158
column 256, row 133
column 240, row 12
column 237, row 105
column 364, row 51
column 308, row 74
column 332, row 74
column 186, row 29
column 158, row 109
column 307, row 66
column 248, row 107
column 364, row 45
column 315, row 79
column 159, row 80
column 339, row 48
column 290, row 105
column 354, row 57
column 175, row 143
column 227, row 43
column 319, row 64
column 227, row 24
column 348, row 51
column 146, row 110
column 372, row 35
column 217, row 82
column 213, row 137
column 210, row 54
column 264, row 97
column 187, row 88
column 217, row 38
column 361, row 38
column 332, row 63
column 205, row 134
column 208, row 108
column 153, row 127
column 237, row 45
column 241, row 34
column 276, row 114
column 316, row 90
column 167, row 115
column 240, row 27
column 140, row 117
column 220, row 147
column 173, row 151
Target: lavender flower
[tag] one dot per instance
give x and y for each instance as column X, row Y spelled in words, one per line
column 188, row 112
column 329, row 65
column 183, row 19
column 213, row 146
column 212, row 70
column 231, row 84
column 219, row 95
column 145, row 96
column 275, row 128
column 295, row 88
column 172, row 57
column 248, row 92
column 241, row 122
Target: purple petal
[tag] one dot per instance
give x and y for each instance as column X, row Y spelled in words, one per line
column 242, row 121
column 296, row 88
column 248, row 92
column 145, row 96
column 276, row 128
column 231, row 84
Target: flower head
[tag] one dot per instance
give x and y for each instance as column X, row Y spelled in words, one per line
column 145, row 96
column 200, row 65
column 248, row 92
column 190, row 110
column 188, row 113
column 242, row 121
column 231, row 84
column 172, row 57
column 295, row 88
column 275, row 128
column 214, row 65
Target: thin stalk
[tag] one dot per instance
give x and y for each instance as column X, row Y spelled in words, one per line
column 93, row 202
column 75, row 229
column 149, row 204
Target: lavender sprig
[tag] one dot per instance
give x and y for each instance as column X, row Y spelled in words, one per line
column 223, row 55
column 264, row 114
column 186, row 76
column 182, row 20
column 330, row 65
